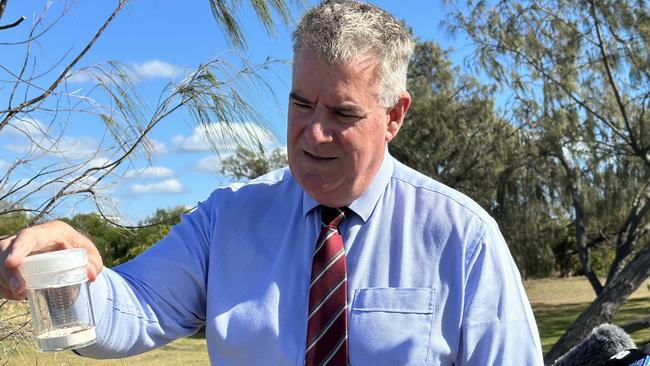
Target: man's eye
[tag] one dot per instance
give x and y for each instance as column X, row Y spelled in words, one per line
column 347, row 117
column 302, row 106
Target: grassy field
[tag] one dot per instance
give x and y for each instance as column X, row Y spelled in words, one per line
column 556, row 303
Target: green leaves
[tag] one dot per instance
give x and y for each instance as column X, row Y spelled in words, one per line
column 250, row 164
column 453, row 134
column 224, row 12
column 579, row 81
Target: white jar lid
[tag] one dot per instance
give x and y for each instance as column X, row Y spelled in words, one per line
column 61, row 267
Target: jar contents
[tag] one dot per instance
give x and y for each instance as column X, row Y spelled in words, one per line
column 63, row 339
column 59, row 301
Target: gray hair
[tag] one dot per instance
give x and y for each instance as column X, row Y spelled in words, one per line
column 339, row 30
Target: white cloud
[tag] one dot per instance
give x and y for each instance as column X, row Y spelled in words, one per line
column 26, row 126
column 3, row 165
column 80, row 184
column 150, row 172
column 166, row 186
column 81, row 76
column 159, row 147
column 77, row 147
column 247, row 133
column 71, row 148
column 209, row 164
column 156, row 69
column 196, row 142
column 16, row 148
column 96, row 162
column 151, row 69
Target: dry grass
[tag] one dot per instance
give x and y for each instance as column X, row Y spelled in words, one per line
column 19, row 347
column 555, row 291
column 15, row 329
column 185, row 351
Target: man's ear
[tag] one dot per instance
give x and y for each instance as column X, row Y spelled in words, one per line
column 397, row 114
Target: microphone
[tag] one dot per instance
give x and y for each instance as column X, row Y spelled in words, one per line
column 605, row 341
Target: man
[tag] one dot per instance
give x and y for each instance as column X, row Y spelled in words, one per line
column 406, row 271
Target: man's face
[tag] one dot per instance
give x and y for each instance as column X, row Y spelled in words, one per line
column 337, row 130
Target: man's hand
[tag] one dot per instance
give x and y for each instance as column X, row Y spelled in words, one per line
column 51, row 236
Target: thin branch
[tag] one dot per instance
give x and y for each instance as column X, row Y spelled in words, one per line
column 612, row 82
column 20, row 74
column 14, row 24
column 12, row 112
column 37, row 23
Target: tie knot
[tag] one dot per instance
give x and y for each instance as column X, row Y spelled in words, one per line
column 332, row 216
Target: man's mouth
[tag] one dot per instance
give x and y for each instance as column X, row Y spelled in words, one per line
column 319, row 157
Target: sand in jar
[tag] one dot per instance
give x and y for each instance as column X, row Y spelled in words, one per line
column 63, row 339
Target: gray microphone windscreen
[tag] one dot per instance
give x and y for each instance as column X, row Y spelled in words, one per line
column 604, row 341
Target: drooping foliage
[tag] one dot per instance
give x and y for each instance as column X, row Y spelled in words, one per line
column 577, row 79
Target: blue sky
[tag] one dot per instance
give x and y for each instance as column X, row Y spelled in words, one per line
column 161, row 41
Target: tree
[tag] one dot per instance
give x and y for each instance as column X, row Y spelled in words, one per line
column 250, row 164
column 214, row 92
column 41, row 106
column 452, row 134
column 111, row 241
column 150, row 231
column 118, row 244
column 578, row 74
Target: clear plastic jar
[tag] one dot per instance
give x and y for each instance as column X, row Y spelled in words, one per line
column 57, row 291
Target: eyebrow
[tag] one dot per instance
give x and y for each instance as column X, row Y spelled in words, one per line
column 343, row 108
column 299, row 98
column 348, row 109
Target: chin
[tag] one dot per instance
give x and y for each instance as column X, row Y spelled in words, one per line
column 330, row 198
column 320, row 192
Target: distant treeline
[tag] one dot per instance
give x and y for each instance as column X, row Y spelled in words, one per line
column 115, row 243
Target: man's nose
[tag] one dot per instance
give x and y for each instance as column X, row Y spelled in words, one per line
column 318, row 131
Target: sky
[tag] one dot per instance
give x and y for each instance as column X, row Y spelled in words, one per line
column 161, row 42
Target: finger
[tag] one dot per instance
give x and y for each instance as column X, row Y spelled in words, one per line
column 5, row 272
column 8, row 279
column 54, row 235
column 17, row 283
column 6, row 241
column 95, row 264
column 20, row 246
column 5, row 245
column 12, row 280
column 6, row 293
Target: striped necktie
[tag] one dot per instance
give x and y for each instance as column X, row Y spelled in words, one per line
column 327, row 325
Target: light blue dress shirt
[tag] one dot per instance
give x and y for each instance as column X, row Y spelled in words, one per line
column 431, row 280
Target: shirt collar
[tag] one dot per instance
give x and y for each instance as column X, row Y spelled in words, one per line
column 365, row 204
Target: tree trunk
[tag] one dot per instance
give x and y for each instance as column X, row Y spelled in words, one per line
column 575, row 185
column 602, row 310
column 634, row 326
column 629, row 235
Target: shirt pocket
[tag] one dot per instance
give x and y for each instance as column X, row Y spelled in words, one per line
column 391, row 326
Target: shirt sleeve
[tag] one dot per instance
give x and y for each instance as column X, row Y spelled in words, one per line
column 158, row 296
column 498, row 323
